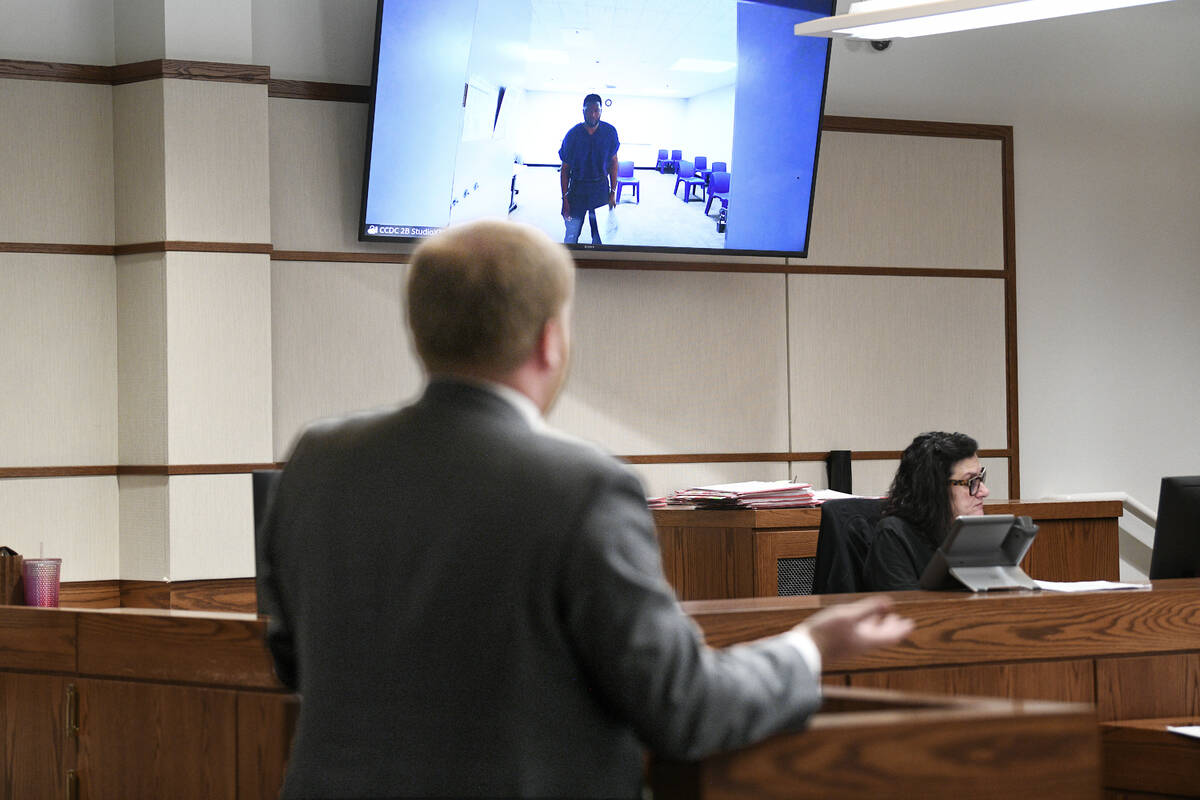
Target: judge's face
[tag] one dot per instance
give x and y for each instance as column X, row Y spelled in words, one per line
column 962, row 502
column 591, row 114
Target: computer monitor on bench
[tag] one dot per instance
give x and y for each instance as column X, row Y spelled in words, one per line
column 1177, row 532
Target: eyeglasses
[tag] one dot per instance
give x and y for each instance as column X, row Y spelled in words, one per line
column 972, row 484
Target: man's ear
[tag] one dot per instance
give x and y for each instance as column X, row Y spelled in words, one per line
column 550, row 349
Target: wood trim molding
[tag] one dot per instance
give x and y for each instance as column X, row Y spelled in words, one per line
column 219, row 594
column 313, row 90
column 57, row 472
column 257, row 248
column 190, row 70
column 340, row 256
column 58, row 249
column 135, row 469
column 914, row 127
column 650, row 458
column 50, row 71
column 724, row 458
column 192, row 469
column 133, row 73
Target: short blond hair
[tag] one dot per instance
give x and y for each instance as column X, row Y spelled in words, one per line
column 480, row 293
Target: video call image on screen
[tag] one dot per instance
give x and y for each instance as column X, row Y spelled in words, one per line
column 473, row 99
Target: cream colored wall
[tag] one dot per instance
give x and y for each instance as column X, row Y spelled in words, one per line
column 56, row 148
column 908, row 201
column 186, row 358
column 670, row 362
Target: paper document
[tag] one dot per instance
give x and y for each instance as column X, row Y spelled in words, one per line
column 1086, row 586
column 1185, row 730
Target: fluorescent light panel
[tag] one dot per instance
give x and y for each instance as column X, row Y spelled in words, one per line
column 900, row 19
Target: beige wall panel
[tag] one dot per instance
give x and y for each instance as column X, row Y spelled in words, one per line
column 143, row 540
column 908, row 201
column 217, row 161
column 138, row 147
column 56, row 156
column 75, row 519
column 876, row 360
column 677, row 362
column 316, row 176
column 58, row 360
column 339, row 342
column 219, row 358
column 142, row 358
column 660, row 480
column 212, row 527
column 874, row 478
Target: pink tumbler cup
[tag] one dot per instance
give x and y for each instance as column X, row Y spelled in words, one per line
column 41, row 581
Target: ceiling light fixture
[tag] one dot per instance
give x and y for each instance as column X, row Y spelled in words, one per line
column 900, row 19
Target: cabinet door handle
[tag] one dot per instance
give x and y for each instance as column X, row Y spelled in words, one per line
column 72, row 721
column 72, row 785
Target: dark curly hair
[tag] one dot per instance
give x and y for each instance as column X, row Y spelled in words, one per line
column 920, row 493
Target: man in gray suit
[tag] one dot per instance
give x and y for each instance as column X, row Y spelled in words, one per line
column 470, row 604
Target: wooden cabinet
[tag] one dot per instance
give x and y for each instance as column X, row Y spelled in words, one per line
column 140, row 705
column 35, row 750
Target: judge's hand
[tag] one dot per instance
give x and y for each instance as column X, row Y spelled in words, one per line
column 849, row 629
column 566, row 209
column 612, row 199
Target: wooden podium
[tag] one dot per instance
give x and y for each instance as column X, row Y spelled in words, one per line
column 878, row 745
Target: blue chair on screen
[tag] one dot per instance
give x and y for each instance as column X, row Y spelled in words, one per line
column 676, row 158
column 625, row 178
column 718, row 189
column 663, row 161
column 700, row 163
column 717, row 166
column 690, row 180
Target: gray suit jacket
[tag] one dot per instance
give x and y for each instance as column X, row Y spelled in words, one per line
column 470, row 607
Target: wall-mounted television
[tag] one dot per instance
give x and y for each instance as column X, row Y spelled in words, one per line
column 714, row 107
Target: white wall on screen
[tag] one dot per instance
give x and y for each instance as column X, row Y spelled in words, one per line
column 708, row 125
column 644, row 125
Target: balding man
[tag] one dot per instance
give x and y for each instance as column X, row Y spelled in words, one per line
column 472, row 605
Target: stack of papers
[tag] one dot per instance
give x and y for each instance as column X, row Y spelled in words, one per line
column 748, row 494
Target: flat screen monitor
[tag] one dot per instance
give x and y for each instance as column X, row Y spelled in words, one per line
column 717, row 108
column 1177, row 531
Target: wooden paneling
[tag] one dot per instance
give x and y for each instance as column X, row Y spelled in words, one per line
column 89, row 594
column 148, row 740
column 32, row 741
column 1149, row 686
column 176, row 646
column 963, row 628
column 37, row 639
column 222, row 595
column 1076, row 541
column 977, row 749
column 1143, row 755
column 1043, row 680
column 265, row 726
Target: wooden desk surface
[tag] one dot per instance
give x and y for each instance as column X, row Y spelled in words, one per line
column 1133, row 653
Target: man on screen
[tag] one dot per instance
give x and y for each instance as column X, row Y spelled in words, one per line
column 472, row 605
column 589, row 170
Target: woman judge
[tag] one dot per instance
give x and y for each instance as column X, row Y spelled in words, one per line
column 939, row 478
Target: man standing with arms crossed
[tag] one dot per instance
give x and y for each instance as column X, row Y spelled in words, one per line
column 471, row 604
column 588, row 176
